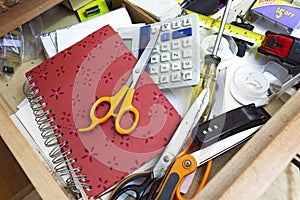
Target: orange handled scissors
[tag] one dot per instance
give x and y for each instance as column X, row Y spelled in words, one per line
column 150, row 185
column 126, row 94
column 160, row 176
column 164, row 181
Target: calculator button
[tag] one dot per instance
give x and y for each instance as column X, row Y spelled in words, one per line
column 176, row 24
column 182, row 33
column 165, row 47
column 164, row 78
column 165, row 57
column 153, row 69
column 187, row 42
column 165, row 67
column 175, row 77
column 187, row 64
column 176, row 44
column 187, row 75
column 176, row 66
column 154, row 29
column 154, row 58
column 156, row 48
column 187, row 53
column 187, row 22
column 165, row 37
column 166, row 27
column 175, row 55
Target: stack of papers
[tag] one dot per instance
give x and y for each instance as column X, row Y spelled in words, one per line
column 61, row 39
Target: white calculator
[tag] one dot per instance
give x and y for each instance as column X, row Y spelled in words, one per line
column 175, row 60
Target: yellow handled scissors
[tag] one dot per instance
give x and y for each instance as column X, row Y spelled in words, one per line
column 125, row 93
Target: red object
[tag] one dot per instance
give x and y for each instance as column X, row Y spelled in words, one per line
column 275, row 44
column 71, row 81
column 285, row 47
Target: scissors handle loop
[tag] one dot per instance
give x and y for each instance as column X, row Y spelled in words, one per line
column 125, row 94
column 96, row 120
column 127, row 107
column 182, row 167
column 139, row 189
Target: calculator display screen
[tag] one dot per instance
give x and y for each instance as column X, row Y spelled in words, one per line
column 128, row 43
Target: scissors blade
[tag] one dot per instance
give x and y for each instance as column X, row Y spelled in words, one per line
column 181, row 134
column 220, row 147
column 290, row 83
column 144, row 58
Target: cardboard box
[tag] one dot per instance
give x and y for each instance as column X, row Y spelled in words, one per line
column 137, row 14
column 75, row 4
column 278, row 11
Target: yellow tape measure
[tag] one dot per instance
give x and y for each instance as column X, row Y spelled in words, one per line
column 231, row 30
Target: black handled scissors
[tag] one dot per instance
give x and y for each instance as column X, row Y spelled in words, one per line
column 152, row 180
column 144, row 189
column 167, row 176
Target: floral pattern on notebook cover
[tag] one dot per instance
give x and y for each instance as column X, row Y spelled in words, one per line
column 71, row 81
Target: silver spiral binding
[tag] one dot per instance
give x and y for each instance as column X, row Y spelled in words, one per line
column 61, row 156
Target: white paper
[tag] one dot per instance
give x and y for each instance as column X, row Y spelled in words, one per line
column 163, row 9
column 69, row 36
column 61, row 39
column 49, row 44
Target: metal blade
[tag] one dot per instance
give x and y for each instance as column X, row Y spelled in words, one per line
column 290, row 83
column 180, row 136
column 144, row 59
column 210, row 152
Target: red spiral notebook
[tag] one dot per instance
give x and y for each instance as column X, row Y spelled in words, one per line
column 71, row 81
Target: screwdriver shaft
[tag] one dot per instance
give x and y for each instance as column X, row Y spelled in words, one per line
column 222, row 27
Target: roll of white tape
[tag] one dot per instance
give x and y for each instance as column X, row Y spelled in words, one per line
column 250, row 86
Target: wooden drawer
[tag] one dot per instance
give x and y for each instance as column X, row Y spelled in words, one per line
column 23, row 13
column 259, row 162
column 11, row 95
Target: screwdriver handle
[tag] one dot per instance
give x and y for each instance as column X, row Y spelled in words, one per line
column 207, row 80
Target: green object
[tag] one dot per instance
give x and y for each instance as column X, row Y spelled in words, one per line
column 92, row 9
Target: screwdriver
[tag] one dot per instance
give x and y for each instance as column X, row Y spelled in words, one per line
column 211, row 62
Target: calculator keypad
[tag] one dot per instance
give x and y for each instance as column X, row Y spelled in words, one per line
column 175, row 62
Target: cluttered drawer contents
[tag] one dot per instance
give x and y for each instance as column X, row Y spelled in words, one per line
column 132, row 109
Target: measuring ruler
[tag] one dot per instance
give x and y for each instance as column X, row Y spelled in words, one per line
column 231, row 30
